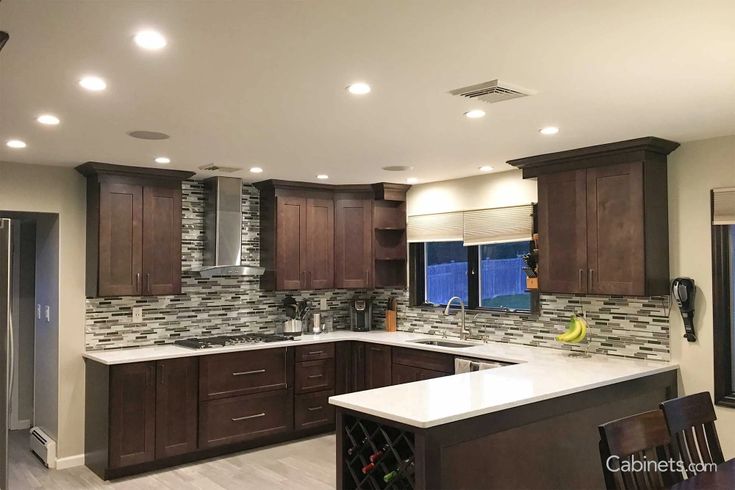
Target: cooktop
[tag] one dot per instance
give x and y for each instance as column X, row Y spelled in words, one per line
column 225, row 340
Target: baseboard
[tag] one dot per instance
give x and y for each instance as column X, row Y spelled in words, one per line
column 70, row 462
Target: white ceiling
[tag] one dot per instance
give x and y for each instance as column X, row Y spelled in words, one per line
column 246, row 83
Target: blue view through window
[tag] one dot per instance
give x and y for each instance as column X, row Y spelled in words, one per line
column 502, row 280
column 446, row 272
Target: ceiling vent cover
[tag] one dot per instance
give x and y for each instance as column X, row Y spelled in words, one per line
column 213, row 167
column 493, row 91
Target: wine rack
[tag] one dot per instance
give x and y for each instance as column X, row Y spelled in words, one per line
column 376, row 456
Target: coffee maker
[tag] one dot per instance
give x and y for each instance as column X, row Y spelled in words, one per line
column 361, row 314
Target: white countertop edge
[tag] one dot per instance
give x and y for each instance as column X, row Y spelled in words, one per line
column 425, row 424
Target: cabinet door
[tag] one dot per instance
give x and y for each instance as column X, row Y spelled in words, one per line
column 320, row 243
column 291, row 243
column 562, row 232
column 132, row 413
column 161, row 240
column 377, row 366
column 615, row 230
column 120, row 239
column 343, row 368
column 176, row 406
column 357, row 383
column 353, row 243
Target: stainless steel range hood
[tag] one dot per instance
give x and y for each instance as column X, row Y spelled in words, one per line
column 223, row 229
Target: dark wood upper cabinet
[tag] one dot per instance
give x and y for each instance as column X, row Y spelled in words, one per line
column 562, row 223
column 177, row 402
column 133, row 230
column 132, row 414
column 318, row 236
column 603, row 218
column 320, row 243
column 353, row 243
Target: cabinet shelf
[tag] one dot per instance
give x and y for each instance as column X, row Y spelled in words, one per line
column 390, row 259
column 390, row 228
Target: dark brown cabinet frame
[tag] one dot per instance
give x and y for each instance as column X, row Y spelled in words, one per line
column 722, row 316
column 141, row 259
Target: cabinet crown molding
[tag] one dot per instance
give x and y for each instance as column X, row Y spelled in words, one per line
column 99, row 168
column 639, row 149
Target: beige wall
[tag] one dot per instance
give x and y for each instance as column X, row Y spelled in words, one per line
column 55, row 190
column 694, row 169
column 479, row 192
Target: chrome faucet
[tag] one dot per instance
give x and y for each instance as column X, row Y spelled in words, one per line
column 462, row 331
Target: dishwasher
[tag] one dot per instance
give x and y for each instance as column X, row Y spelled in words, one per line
column 470, row 365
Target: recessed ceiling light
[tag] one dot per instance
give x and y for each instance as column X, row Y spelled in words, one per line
column 475, row 114
column 322, row 176
column 150, row 40
column 48, row 119
column 486, row 168
column 93, row 83
column 162, row 160
column 256, row 170
column 411, row 180
column 549, row 130
column 358, row 88
column 16, row 144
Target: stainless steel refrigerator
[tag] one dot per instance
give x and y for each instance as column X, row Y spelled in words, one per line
column 6, row 345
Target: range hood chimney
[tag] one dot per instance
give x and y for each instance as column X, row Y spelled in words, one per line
column 223, row 229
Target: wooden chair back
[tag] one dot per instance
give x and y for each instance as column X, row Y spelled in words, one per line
column 641, row 440
column 691, row 423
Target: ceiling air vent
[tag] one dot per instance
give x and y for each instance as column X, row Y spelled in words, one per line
column 492, row 91
column 213, row 167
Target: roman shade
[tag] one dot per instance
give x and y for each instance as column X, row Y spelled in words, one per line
column 724, row 206
column 498, row 225
column 443, row 227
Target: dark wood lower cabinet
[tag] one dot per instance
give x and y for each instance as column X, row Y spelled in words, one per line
column 176, row 406
column 236, row 419
column 377, row 366
column 408, row 374
column 132, row 414
column 313, row 410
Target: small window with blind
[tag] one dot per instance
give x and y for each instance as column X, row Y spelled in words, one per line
column 476, row 255
column 723, row 292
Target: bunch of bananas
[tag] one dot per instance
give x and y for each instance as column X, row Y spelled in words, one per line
column 576, row 330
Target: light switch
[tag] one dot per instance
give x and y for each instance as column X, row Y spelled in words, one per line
column 137, row 314
column 47, row 313
column 38, row 311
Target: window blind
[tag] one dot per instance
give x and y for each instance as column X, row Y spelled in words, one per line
column 442, row 227
column 724, row 206
column 498, row 225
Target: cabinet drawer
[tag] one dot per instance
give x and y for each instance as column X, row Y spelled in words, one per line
column 242, row 418
column 313, row 410
column 408, row 374
column 314, row 375
column 240, row 373
column 434, row 361
column 313, row 352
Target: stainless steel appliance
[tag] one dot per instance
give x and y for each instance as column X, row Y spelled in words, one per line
column 6, row 345
column 361, row 314
column 293, row 327
column 471, row 365
column 228, row 340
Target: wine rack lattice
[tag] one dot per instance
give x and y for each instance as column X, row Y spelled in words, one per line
column 377, row 457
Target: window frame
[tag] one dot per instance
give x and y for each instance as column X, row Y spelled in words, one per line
column 722, row 315
column 417, row 282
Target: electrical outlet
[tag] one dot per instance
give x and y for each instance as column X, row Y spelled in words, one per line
column 47, row 313
column 137, row 314
column 323, row 304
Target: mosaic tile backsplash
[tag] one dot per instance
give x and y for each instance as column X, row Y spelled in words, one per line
column 629, row 327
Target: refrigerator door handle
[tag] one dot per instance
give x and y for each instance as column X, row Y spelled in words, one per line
column 11, row 354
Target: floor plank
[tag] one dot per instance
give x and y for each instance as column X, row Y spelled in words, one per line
column 307, row 464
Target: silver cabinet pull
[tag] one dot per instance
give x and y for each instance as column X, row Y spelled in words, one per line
column 148, row 282
column 592, row 271
column 313, row 376
column 314, row 409
column 247, row 417
column 313, row 353
column 243, row 373
column 137, row 282
column 581, row 275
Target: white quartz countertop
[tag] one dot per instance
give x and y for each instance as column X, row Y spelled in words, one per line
column 539, row 374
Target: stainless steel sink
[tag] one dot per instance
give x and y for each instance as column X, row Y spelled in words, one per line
column 441, row 343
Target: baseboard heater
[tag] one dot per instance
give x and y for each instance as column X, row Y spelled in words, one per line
column 43, row 446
